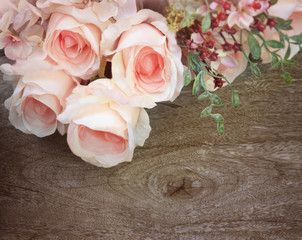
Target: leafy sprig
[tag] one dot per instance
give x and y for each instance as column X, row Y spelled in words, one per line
column 272, row 47
column 200, row 69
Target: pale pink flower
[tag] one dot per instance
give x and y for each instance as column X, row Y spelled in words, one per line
column 231, row 66
column 20, row 47
column 37, row 100
column 118, row 9
column 38, row 57
column 14, row 46
column 73, row 40
column 284, row 8
column 47, row 7
column 54, row 3
column 101, row 131
column 243, row 15
column 8, row 9
column 27, row 15
column 147, row 60
column 287, row 9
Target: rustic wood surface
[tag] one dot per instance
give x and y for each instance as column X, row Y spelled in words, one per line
column 187, row 182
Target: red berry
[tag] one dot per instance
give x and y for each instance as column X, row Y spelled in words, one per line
column 218, row 82
column 214, row 23
column 221, row 16
column 271, row 22
column 227, row 6
column 237, row 47
column 210, row 44
column 233, row 31
column 227, row 47
column 230, row 30
column 260, row 26
column 203, row 54
column 213, row 57
column 256, row 6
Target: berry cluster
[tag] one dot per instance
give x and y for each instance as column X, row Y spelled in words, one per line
column 260, row 26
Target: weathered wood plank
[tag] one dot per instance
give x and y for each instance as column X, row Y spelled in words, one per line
column 185, row 183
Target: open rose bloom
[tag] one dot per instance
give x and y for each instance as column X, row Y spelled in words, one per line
column 102, row 131
column 74, row 44
column 60, row 52
column 37, row 100
column 146, row 62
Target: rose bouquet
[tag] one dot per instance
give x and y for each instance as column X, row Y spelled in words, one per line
column 88, row 68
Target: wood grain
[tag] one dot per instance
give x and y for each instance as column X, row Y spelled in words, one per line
column 187, row 182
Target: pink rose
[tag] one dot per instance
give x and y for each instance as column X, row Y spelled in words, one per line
column 102, row 131
column 147, row 60
column 37, row 100
column 73, row 40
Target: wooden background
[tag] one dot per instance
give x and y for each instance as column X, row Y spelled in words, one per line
column 187, row 182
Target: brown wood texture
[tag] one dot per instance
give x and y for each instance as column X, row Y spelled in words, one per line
column 187, row 182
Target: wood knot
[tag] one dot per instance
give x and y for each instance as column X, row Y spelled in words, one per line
column 184, row 185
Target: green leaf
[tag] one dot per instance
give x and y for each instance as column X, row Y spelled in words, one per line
column 207, row 111
column 290, row 62
column 288, row 52
column 297, row 38
column 215, row 99
column 287, row 77
column 254, row 46
column 197, row 84
column 218, row 118
column 186, row 22
column 284, row 24
column 255, row 70
column 273, row 2
column 206, row 23
column 220, row 128
column 235, row 100
column 275, row 44
column 203, row 96
column 262, row 17
column 275, row 61
column 187, row 77
column 189, row 10
column 281, row 37
column 195, row 63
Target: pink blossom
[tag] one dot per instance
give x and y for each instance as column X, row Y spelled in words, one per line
column 118, row 9
column 231, row 66
column 14, row 46
column 287, row 9
column 54, row 3
column 229, row 63
column 20, row 47
column 8, row 10
column 243, row 15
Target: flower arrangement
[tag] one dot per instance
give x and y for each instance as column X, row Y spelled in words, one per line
column 88, row 68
